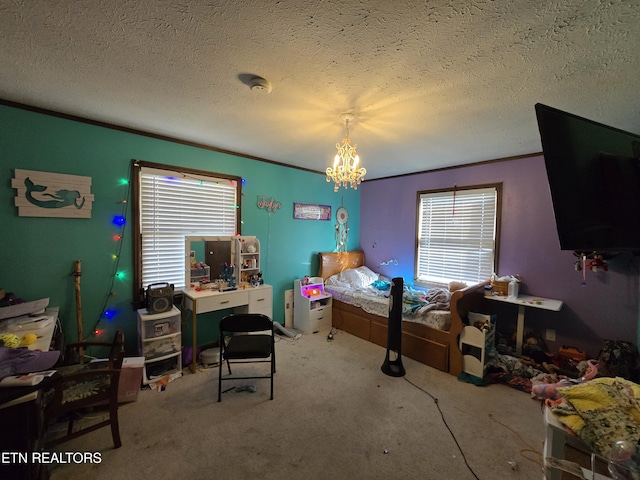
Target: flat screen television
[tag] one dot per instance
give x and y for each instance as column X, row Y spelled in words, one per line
column 594, row 177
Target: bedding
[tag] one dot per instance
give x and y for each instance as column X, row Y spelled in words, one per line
column 601, row 412
column 370, row 291
column 432, row 322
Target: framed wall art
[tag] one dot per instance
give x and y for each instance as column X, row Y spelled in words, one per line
column 311, row 211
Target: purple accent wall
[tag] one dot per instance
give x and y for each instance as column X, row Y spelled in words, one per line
column 607, row 307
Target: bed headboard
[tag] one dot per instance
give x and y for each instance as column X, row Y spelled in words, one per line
column 331, row 263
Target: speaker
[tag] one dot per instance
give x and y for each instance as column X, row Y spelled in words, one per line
column 159, row 298
column 392, row 365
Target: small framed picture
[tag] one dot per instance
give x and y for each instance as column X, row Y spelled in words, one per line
column 311, row 211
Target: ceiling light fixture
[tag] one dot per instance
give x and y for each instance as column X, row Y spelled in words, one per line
column 345, row 166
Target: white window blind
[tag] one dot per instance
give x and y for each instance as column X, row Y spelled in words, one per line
column 173, row 206
column 456, row 235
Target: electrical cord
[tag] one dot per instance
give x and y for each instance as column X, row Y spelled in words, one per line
column 522, row 450
column 529, row 448
column 444, row 420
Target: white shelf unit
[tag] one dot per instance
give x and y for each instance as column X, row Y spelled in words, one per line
column 160, row 343
column 245, row 252
column 311, row 307
column 475, row 345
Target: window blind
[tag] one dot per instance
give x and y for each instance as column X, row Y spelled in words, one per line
column 456, row 235
column 173, row 206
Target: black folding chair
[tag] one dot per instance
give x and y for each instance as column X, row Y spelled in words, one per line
column 243, row 345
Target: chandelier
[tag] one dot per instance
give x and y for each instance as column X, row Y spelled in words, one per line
column 345, row 165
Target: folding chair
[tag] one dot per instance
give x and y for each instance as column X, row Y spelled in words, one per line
column 245, row 346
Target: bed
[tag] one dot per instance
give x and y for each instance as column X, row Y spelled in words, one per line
column 433, row 340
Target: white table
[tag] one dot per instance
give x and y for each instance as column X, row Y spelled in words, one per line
column 524, row 301
column 246, row 300
column 556, row 439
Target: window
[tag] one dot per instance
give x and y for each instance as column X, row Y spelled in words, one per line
column 172, row 203
column 457, row 232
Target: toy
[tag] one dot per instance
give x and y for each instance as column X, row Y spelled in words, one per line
column 535, row 349
column 597, row 263
column 29, row 339
column 9, row 340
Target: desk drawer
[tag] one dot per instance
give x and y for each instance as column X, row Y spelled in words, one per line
column 260, row 299
column 221, row 301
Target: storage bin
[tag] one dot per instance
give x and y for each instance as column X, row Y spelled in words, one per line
column 162, row 326
column 154, row 371
column 500, row 288
column 161, row 346
column 198, row 274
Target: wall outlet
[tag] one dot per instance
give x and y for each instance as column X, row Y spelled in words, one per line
column 550, row 335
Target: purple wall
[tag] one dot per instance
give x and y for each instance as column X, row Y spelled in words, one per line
column 605, row 308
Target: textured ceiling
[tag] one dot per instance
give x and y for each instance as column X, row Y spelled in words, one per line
column 432, row 83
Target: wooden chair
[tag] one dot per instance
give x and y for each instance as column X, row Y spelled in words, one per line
column 248, row 344
column 84, row 385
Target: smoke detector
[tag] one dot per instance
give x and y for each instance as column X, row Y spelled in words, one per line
column 259, row 84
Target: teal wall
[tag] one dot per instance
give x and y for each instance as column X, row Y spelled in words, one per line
column 38, row 254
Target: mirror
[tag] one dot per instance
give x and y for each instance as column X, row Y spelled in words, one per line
column 208, row 260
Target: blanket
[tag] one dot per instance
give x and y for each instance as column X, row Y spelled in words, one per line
column 419, row 301
column 601, row 412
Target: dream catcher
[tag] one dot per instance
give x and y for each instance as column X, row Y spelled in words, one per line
column 342, row 229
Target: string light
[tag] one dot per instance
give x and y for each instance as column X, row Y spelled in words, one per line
column 120, row 221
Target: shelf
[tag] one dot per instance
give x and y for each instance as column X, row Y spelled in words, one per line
column 530, row 301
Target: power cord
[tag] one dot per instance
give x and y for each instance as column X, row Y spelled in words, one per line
column 435, row 400
column 523, row 450
column 529, row 448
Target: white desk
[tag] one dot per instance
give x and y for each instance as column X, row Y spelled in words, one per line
column 244, row 300
column 524, row 301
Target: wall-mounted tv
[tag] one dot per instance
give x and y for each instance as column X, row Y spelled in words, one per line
column 594, row 177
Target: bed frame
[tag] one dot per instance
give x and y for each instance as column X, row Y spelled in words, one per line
column 436, row 348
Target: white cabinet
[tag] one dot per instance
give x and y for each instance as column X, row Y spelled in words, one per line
column 160, row 343
column 311, row 307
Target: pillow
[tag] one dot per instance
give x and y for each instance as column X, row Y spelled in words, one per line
column 353, row 277
column 367, row 276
